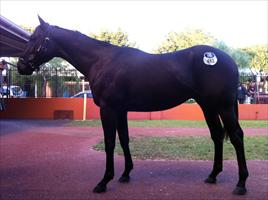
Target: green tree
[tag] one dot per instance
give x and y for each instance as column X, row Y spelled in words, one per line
column 176, row 41
column 222, row 46
column 240, row 56
column 56, row 63
column 118, row 38
column 259, row 57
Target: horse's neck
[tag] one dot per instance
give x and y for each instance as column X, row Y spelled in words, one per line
column 79, row 50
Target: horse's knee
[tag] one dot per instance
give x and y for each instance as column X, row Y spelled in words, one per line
column 217, row 138
column 236, row 138
column 217, row 134
column 124, row 144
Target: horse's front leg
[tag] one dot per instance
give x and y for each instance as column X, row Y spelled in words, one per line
column 108, row 119
column 122, row 128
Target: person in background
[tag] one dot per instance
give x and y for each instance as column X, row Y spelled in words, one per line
column 266, row 85
column 252, row 92
column 241, row 93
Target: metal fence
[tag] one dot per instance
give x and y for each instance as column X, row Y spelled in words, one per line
column 45, row 83
column 68, row 82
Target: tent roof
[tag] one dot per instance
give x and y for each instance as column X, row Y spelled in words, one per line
column 13, row 38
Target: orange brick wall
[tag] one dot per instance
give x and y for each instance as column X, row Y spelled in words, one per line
column 44, row 108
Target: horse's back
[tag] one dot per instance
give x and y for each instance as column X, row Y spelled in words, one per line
column 146, row 82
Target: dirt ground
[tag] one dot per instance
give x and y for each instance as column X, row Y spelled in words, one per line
column 45, row 160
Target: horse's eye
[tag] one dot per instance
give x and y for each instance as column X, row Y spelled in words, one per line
column 32, row 37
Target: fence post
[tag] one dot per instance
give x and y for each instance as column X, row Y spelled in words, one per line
column 35, row 88
column 8, row 82
column 84, row 99
column 56, row 82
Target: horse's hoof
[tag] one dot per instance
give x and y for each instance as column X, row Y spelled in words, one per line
column 124, row 179
column 240, row 190
column 210, row 180
column 99, row 188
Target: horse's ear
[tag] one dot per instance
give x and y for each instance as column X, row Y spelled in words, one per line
column 43, row 24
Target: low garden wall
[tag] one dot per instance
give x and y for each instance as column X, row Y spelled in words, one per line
column 72, row 108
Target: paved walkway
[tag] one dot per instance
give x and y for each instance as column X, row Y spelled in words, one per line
column 44, row 160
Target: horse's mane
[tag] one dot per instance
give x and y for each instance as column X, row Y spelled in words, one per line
column 84, row 39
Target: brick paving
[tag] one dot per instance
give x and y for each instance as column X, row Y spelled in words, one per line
column 46, row 160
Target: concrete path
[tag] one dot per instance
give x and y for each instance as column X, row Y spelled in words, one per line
column 45, row 160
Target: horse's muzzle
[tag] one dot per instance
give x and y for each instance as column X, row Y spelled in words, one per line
column 23, row 69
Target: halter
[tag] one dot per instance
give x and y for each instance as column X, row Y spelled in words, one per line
column 41, row 49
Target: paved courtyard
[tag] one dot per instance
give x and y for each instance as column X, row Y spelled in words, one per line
column 46, row 160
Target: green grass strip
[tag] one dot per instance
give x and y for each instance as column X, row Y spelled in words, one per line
column 189, row 148
column 170, row 123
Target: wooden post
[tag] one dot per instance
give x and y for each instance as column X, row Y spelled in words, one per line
column 84, row 100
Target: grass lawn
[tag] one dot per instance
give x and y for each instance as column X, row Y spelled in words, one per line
column 171, row 123
column 189, row 148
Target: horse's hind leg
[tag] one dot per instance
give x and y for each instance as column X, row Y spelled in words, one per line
column 122, row 129
column 217, row 135
column 234, row 131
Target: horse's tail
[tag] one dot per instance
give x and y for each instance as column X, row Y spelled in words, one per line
column 236, row 101
column 236, row 109
column 236, row 112
column 232, row 109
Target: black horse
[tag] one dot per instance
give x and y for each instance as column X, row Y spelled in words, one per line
column 126, row 79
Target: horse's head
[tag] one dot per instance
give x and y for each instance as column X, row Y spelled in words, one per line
column 39, row 49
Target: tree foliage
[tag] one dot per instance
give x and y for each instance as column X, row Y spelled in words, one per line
column 259, row 57
column 56, row 63
column 118, row 38
column 28, row 28
column 241, row 57
column 252, row 57
column 176, row 41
